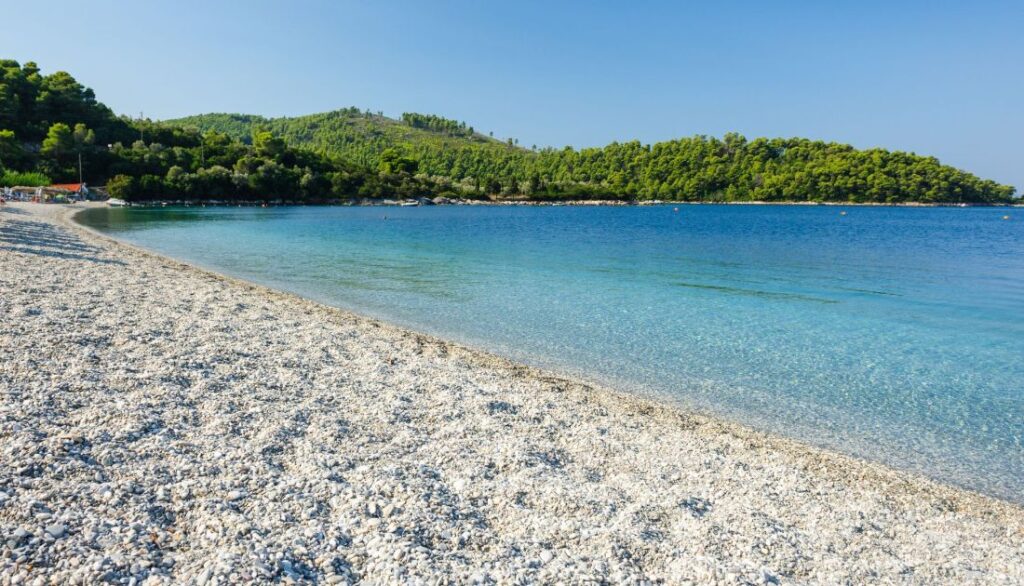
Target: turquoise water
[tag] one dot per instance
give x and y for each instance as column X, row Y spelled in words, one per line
column 893, row 334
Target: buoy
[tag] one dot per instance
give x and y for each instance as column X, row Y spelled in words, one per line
column 1006, row 217
column 675, row 209
column 842, row 213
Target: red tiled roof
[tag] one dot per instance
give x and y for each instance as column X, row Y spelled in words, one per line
column 73, row 187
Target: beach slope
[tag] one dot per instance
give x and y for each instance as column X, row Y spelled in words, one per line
column 167, row 424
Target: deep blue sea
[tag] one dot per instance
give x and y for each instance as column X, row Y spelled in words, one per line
column 895, row 334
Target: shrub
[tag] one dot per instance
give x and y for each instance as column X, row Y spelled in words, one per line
column 10, row 178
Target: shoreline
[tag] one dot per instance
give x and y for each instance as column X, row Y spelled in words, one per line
column 621, row 391
column 715, row 474
column 425, row 202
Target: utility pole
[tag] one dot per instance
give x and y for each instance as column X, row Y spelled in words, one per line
column 79, row 165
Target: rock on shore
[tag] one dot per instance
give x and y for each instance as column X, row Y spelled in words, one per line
column 161, row 424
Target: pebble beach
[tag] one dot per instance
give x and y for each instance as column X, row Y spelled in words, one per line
column 161, row 424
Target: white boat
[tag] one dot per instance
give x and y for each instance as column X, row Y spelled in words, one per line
column 116, row 203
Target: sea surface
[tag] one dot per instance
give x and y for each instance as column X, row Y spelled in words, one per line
column 893, row 334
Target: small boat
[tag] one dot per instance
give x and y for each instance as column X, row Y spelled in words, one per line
column 116, row 203
column 410, row 204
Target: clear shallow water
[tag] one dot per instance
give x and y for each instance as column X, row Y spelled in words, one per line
column 894, row 334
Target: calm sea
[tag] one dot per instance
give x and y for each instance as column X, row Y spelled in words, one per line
column 894, row 334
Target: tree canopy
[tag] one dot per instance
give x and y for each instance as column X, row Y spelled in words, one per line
column 699, row 168
column 50, row 122
column 47, row 122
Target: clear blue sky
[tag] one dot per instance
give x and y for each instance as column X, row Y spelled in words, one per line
column 935, row 77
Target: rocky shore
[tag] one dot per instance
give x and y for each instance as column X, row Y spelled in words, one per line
column 160, row 424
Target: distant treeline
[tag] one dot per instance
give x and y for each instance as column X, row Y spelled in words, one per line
column 437, row 124
column 50, row 123
column 213, row 166
column 700, row 168
column 52, row 128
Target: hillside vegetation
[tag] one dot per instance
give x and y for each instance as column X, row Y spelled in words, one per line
column 357, row 136
column 52, row 128
column 731, row 168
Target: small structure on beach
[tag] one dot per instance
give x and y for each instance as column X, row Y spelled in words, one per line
column 58, row 193
column 71, row 191
column 23, row 193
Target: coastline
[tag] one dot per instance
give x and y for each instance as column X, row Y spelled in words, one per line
column 425, row 202
column 534, row 477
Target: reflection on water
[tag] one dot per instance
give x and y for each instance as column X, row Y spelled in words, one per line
column 891, row 333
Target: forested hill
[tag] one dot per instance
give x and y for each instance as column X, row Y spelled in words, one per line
column 731, row 168
column 53, row 129
column 358, row 136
